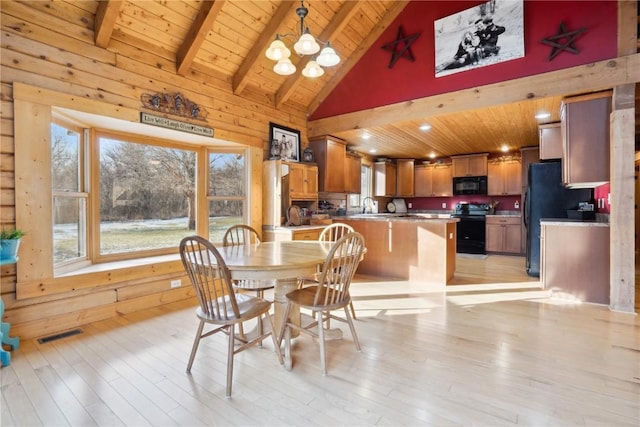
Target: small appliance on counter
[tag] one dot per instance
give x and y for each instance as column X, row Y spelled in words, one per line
column 584, row 212
column 397, row 206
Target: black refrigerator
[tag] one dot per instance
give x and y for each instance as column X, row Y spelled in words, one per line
column 546, row 197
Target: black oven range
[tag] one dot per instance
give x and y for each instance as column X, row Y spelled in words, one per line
column 471, row 231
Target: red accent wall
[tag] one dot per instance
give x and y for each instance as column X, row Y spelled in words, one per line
column 507, row 203
column 602, row 192
column 370, row 83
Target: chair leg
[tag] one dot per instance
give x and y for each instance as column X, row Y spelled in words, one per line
column 288, row 361
column 230, row 352
column 260, row 294
column 353, row 310
column 285, row 318
column 323, row 353
column 196, row 342
column 276, row 344
column 353, row 329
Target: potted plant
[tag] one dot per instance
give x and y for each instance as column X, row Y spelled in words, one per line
column 9, row 243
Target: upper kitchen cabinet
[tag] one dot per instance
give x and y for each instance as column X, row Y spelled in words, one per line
column 585, row 139
column 405, row 178
column 469, row 165
column 337, row 170
column 302, row 181
column 353, row 173
column 384, row 182
column 550, row 139
column 504, row 177
column 433, row 180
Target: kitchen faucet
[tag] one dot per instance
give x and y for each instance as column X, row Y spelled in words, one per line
column 364, row 204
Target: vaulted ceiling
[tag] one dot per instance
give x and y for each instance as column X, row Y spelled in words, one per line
column 227, row 39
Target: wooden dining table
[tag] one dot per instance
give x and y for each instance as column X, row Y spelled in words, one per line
column 284, row 261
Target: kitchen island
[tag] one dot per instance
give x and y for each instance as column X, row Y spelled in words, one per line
column 408, row 247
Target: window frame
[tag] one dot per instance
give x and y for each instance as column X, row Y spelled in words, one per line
column 81, row 194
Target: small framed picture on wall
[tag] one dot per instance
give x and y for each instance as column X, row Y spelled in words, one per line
column 285, row 143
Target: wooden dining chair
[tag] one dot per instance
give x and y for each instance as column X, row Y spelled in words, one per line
column 332, row 233
column 241, row 234
column 220, row 305
column 328, row 292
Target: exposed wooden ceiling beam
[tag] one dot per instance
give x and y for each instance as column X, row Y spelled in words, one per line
column 196, row 35
column 590, row 77
column 240, row 78
column 353, row 59
column 106, row 16
column 336, row 25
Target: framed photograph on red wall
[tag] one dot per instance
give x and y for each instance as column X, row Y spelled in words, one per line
column 486, row 34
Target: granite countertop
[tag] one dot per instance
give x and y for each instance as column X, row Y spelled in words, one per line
column 572, row 222
column 401, row 217
column 506, row 213
column 501, row 215
column 296, row 227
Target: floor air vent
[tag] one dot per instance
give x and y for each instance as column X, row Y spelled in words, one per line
column 59, row 336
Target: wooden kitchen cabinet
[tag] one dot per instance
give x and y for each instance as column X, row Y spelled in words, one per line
column 469, row 165
column 384, row 181
column 283, row 234
column 585, row 139
column 303, row 181
column 575, row 259
column 353, row 174
column 504, row 177
column 330, row 155
column 405, row 177
column 503, row 234
column 433, row 180
column 423, row 181
column 284, row 183
column 550, row 140
column 442, row 180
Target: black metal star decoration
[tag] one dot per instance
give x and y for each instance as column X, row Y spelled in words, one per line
column 564, row 40
column 397, row 50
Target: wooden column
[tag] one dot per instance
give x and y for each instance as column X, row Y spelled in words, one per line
column 622, row 274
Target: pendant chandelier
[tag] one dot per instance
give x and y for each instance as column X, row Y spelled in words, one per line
column 306, row 45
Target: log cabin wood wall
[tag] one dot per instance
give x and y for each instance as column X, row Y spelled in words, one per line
column 52, row 52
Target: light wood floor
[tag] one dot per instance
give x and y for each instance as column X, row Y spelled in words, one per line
column 494, row 350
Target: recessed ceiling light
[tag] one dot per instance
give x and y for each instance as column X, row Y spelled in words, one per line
column 425, row 127
column 432, row 155
column 366, row 136
column 373, row 150
column 542, row 115
column 504, row 148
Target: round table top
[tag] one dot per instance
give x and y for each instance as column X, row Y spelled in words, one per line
column 282, row 259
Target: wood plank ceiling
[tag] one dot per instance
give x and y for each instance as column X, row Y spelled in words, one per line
column 227, row 39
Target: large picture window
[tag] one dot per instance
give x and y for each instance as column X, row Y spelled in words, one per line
column 147, row 195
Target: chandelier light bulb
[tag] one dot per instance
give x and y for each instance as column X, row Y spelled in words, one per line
column 306, row 44
column 312, row 70
column 277, row 50
column 284, row 67
column 328, row 57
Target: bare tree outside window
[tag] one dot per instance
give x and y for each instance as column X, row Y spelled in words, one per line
column 146, row 195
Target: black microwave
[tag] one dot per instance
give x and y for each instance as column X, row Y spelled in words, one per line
column 469, row 185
